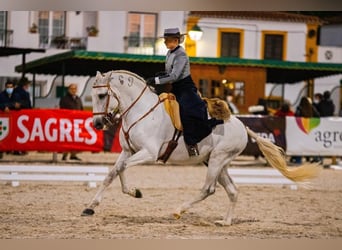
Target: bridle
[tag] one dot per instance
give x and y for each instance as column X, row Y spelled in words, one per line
column 108, row 114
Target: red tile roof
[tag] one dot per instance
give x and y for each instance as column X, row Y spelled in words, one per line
column 259, row 15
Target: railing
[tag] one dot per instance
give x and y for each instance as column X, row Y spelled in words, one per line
column 140, row 45
column 6, row 37
column 63, row 42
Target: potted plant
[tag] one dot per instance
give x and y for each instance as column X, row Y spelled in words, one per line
column 34, row 28
column 92, row 30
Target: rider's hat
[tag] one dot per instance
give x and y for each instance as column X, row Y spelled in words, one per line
column 174, row 32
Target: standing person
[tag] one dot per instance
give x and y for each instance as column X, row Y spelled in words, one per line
column 326, row 107
column 193, row 112
column 317, row 100
column 71, row 101
column 231, row 104
column 305, row 109
column 9, row 100
column 23, row 91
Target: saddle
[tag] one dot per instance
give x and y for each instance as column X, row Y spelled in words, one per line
column 217, row 108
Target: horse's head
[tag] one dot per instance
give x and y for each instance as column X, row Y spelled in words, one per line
column 105, row 102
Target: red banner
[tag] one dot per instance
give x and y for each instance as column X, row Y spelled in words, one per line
column 55, row 130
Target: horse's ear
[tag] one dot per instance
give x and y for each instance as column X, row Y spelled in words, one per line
column 98, row 74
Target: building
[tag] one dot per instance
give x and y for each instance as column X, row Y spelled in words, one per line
column 230, row 56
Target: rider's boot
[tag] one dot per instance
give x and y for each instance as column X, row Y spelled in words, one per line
column 192, row 150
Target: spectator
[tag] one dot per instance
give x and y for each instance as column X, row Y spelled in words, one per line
column 305, row 109
column 317, row 99
column 71, row 101
column 9, row 100
column 284, row 110
column 326, row 107
column 232, row 107
column 23, row 91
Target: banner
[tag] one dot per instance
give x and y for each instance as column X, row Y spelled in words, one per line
column 54, row 130
column 58, row 130
column 314, row 136
column 269, row 127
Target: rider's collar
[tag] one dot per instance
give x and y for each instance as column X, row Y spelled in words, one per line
column 175, row 49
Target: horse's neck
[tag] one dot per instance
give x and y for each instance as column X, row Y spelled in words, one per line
column 137, row 103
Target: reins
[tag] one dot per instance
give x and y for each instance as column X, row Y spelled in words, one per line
column 110, row 90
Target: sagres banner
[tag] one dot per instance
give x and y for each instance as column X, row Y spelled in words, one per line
column 314, row 136
column 49, row 130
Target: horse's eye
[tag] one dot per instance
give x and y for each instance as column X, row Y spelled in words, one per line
column 101, row 96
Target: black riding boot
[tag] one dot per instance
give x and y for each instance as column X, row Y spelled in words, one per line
column 192, row 150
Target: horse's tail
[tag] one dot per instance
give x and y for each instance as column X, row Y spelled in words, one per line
column 276, row 158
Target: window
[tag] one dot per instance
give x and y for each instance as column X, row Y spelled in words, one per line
column 141, row 29
column 239, row 93
column 203, row 87
column 216, row 89
column 50, row 25
column 2, row 20
column 274, row 46
column 237, row 89
column 231, row 43
column 3, row 28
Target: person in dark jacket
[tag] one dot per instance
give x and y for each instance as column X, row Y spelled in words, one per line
column 9, row 100
column 326, row 107
column 193, row 112
column 23, row 91
column 71, row 101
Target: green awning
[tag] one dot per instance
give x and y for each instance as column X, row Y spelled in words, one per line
column 81, row 62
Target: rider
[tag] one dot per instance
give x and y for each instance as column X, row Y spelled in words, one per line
column 193, row 110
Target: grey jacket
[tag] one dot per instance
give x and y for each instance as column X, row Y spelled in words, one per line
column 177, row 66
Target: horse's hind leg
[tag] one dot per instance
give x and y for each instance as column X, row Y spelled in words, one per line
column 226, row 181
column 214, row 169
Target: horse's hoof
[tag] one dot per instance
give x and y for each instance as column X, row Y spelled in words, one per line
column 88, row 212
column 138, row 194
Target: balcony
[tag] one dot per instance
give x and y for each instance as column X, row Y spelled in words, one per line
column 6, row 38
column 140, row 45
column 63, row 42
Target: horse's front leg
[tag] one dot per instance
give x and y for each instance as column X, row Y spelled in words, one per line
column 140, row 157
column 114, row 172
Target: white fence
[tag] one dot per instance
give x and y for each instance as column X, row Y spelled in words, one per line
column 91, row 175
column 16, row 173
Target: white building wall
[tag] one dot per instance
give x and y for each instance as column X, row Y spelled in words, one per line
column 112, row 27
column 296, row 33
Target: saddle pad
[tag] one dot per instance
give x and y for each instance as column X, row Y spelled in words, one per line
column 172, row 108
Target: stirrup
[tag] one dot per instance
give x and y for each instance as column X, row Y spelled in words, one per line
column 192, row 150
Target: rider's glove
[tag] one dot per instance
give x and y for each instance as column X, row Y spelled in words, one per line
column 151, row 81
